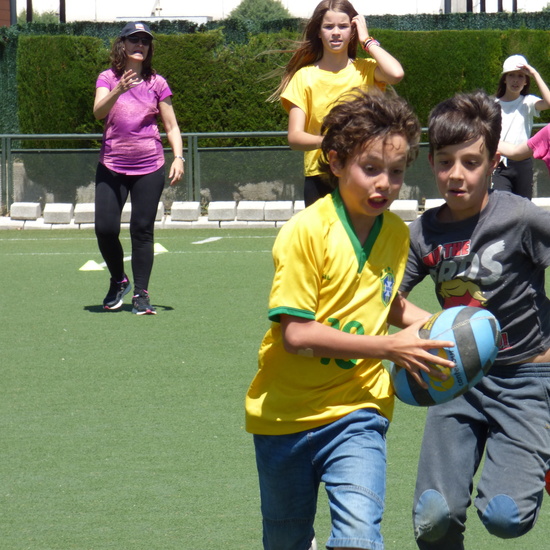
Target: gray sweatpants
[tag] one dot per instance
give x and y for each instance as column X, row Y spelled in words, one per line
column 507, row 418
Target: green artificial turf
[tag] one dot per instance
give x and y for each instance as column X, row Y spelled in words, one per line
column 126, row 432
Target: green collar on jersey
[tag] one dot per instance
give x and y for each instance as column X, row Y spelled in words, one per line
column 361, row 252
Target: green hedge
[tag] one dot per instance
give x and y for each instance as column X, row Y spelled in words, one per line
column 8, row 76
column 217, row 87
column 221, row 87
column 219, row 76
column 53, row 83
column 217, row 71
column 439, row 64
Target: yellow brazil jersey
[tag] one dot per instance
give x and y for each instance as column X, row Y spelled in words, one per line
column 323, row 273
column 315, row 91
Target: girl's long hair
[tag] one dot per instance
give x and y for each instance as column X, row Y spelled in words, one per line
column 501, row 88
column 118, row 60
column 310, row 48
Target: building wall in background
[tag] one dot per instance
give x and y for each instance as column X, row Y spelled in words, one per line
column 107, row 10
column 4, row 13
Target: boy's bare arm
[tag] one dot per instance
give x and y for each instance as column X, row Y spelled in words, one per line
column 313, row 339
column 404, row 313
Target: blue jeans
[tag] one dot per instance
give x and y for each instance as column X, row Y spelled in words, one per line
column 349, row 456
column 507, row 418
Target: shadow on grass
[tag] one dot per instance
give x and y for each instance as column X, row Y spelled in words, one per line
column 126, row 307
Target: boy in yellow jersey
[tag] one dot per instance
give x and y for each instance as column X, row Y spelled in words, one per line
column 321, row 401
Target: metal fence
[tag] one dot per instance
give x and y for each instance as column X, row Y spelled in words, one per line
column 35, row 168
column 220, row 166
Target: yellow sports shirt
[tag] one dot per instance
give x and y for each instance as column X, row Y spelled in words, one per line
column 322, row 272
column 315, row 91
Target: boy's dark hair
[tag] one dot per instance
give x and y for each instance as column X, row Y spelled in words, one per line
column 361, row 118
column 463, row 118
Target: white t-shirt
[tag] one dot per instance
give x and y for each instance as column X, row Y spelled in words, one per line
column 517, row 118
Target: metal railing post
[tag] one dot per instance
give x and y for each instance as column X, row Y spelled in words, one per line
column 3, row 172
column 196, row 183
column 9, row 171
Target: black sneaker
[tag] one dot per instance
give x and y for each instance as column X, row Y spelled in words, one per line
column 141, row 304
column 117, row 291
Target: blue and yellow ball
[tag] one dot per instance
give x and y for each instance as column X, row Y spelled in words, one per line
column 476, row 335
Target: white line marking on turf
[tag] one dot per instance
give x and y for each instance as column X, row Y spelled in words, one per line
column 268, row 251
column 91, row 265
column 209, row 240
column 122, row 237
column 196, row 251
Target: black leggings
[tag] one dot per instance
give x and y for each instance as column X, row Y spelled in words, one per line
column 516, row 177
column 316, row 187
column 111, row 192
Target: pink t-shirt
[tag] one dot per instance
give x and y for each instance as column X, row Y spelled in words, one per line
column 540, row 145
column 131, row 138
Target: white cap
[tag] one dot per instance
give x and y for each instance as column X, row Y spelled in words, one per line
column 513, row 63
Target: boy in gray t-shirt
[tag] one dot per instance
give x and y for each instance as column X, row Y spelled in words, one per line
column 487, row 250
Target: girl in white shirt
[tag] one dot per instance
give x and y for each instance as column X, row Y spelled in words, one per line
column 519, row 107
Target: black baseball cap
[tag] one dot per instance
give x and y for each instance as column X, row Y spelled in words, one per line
column 134, row 28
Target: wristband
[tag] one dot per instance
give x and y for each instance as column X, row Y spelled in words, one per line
column 179, row 157
column 370, row 41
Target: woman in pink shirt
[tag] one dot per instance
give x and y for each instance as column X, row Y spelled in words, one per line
column 130, row 97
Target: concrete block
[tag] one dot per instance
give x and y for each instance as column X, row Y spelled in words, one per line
column 278, row 211
column 261, row 225
column 70, row 225
column 160, row 212
column 8, row 223
column 58, row 212
column 84, row 212
column 298, row 206
column 37, row 224
column 188, row 211
column 170, row 224
column 234, row 224
column 126, row 212
column 433, row 203
column 542, row 202
column 407, row 210
column 242, row 224
column 204, row 223
column 25, row 211
column 251, row 211
column 222, row 211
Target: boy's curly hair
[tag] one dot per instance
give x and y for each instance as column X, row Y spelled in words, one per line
column 359, row 118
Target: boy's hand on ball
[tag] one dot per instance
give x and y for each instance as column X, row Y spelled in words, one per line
column 413, row 353
column 451, row 369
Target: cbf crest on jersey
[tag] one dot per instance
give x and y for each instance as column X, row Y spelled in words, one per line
column 387, row 280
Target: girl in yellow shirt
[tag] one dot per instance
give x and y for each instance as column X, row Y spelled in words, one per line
column 324, row 67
